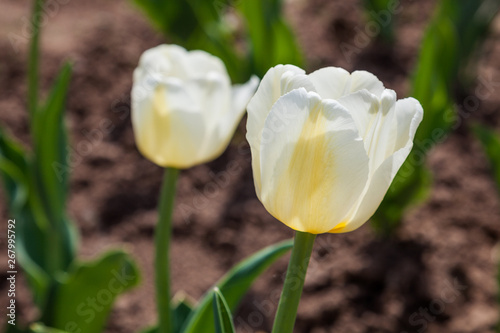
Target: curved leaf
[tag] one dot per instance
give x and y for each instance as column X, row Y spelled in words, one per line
column 83, row 301
column 234, row 285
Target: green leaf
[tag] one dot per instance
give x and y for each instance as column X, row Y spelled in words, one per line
column 29, row 239
column 272, row 41
column 46, row 239
column 51, row 148
column 234, row 285
column 84, row 299
column 222, row 315
column 32, row 223
column 14, row 171
column 491, row 144
column 49, row 185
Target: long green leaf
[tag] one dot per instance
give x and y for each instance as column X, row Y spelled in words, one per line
column 51, row 146
column 222, row 315
column 50, row 184
column 234, row 285
column 32, row 222
column 15, row 172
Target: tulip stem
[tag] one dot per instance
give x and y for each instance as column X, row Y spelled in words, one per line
column 162, row 243
column 294, row 282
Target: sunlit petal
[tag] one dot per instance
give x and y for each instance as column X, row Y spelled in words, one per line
column 308, row 162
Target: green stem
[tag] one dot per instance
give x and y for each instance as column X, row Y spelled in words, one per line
column 162, row 243
column 294, row 282
column 33, row 57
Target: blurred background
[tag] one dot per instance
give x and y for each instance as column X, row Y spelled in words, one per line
column 426, row 263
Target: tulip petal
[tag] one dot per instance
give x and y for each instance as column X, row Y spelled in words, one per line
column 313, row 163
column 335, row 82
column 409, row 114
column 202, row 63
column 162, row 120
column 331, row 82
column 241, row 95
column 176, row 61
column 277, row 81
column 375, row 120
column 364, row 80
column 163, row 60
column 378, row 185
column 228, row 120
column 210, row 96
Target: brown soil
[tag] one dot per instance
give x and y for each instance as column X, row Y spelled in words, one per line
column 436, row 275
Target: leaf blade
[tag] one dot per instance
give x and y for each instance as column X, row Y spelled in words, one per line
column 87, row 294
column 234, row 285
column 222, row 313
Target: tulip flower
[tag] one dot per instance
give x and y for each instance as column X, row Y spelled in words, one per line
column 184, row 113
column 325, row 149
column 184, row 109
column 326, row 146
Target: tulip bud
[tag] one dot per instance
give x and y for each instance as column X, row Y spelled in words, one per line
column 184, row 109
column 326, row 146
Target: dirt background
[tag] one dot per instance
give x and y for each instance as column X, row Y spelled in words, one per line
column 436, row 275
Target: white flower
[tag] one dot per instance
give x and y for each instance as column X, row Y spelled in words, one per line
column 326, row 146
column 184, row 110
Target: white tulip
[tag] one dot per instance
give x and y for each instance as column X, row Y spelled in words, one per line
column 184, row 110
column 326, row 146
